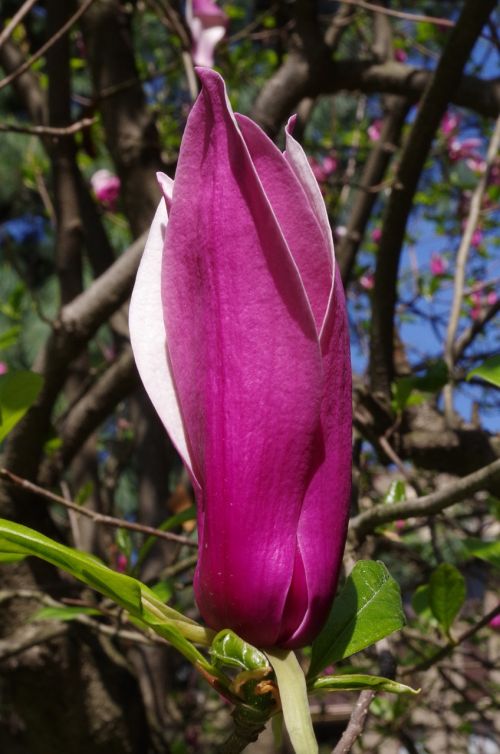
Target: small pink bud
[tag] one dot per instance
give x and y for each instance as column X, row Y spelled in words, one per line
column 3, row 367
column 121, row 562
column 376, row 234
column 401, row 56
column 374, row 130
column 495, row 623
column 449, row 123
column 438, row 265
column 367, row 281
column 106, row 188
column 477, row 238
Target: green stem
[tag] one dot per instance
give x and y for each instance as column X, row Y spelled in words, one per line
column 248, row 725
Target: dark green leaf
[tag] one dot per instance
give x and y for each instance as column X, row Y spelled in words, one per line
column 18, row 391
column 446, row 594
column 9, row 337
column 367, row 609
column 485, row 550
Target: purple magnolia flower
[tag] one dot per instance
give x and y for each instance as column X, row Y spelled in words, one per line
column 239, row 330
column 207, row 23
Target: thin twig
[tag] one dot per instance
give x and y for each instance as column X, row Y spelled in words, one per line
column 48, row 130
column 98, row 518
column 461, row 262
column 15, row 20
column 414, row 17
column 48, row 44
column 356, row 723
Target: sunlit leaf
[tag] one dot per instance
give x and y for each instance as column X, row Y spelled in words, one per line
column 367, row 609
column 489, row 371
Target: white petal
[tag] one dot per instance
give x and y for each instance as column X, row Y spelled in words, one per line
column 148, row 336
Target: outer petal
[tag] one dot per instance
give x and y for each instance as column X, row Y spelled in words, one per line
column 299, row 163
column 247, row 369
column 324, row 516
column 147, row 330
column 295, row 216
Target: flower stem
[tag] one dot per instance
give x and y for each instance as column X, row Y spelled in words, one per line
column 248, row 725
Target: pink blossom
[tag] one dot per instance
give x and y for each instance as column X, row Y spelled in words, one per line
column 494, row 177
column 449, row 123
column 438, row 265
column 3, row 367
column 376, row 234
column 401, row 56
column 367, row 281
column 476, row 164
column 207, row 23
column 494, row 623
column 481, row 301
column 374, row 130
column 106, row 188
column 121, row 562
column 324, row 168
column 477, row 238
column 462, row 150
column 399, row 524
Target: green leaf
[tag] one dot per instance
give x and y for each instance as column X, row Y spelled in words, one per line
column 229, row 649
column 18, row 391
column 63, row 613
column 446, row 594
column 396, row 492
column 367, row 609
column 358, row 682
column 483, row 549
column 9, row 337
column 294, row 700
column 489, row 371
column 431, row 382
column 420, row 602
column 11, row 557
column 133, row 595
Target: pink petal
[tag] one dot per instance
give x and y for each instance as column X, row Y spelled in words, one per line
column 324, row 516
column 295, row 216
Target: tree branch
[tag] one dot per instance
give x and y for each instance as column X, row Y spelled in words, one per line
column 48, row 44
column 365, row 523
column 356, row 723
column 97, row 518
column 460, row 265
column 443, row 83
